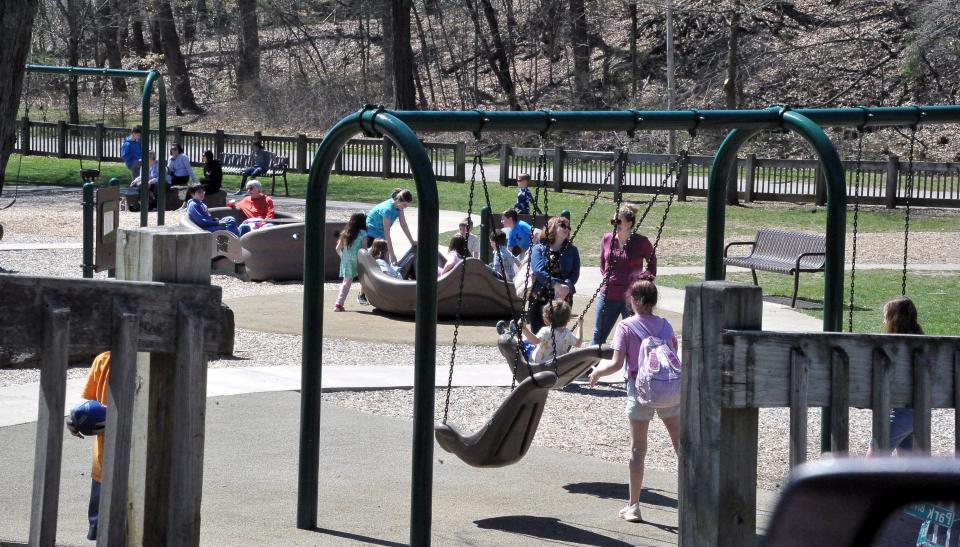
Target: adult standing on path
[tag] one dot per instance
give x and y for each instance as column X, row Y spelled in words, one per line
column 130, row 151
column 381, row 218
column 631, row 258
column 555, row 267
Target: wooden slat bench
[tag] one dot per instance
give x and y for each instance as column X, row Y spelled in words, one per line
column 783, row 252
column 235, row 164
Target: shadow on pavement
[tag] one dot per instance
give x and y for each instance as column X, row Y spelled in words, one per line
column 355, row 537
column 620, row 491
column 548, row 528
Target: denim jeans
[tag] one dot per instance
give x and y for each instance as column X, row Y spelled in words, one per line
column 607, row 313
column 249, row 172
column 901, row 429
column 93, row 510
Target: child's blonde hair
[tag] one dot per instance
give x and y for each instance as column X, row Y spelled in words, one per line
column 557, row 314
column 378, row 249
column 900, row 316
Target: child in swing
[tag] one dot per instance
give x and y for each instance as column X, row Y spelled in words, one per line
column 632, row 337
column 352, row 238
column 540, row 347
column 900, row 317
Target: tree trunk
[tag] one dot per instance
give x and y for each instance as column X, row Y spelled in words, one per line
column 137, row 43
column 73, row 59
column 248, row 61
column 189, row 21
column 386, row 26
column 404, row 91
column 156, row 41
column 495, row 51
column 634, row 34
column 730, row 88
column 581, row 55
column 16, row 23
column 176, row 68
column 110, row 14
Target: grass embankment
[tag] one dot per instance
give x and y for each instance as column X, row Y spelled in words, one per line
column 686, row 219
column 930, row 291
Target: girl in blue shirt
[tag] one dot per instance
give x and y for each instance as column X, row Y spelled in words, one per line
column 381, row 218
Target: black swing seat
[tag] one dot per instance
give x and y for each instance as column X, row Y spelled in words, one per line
column 508, row 433
column 568, row 367
column 89, row 175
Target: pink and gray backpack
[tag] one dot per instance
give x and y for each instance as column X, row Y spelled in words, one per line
column 658, row 374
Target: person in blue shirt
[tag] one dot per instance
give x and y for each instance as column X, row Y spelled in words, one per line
column 519, row 239
column 261, row 164
column 200, row 215
column 379, row 221
column 179, row 170
column 555, row 267
column 524, row 197
column 130, row 151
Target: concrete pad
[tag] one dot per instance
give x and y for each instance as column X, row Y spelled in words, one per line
column 250, row 488
column 38, row 246
column 283, row 314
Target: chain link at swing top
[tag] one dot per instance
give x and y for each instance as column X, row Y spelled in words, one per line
column 856, row 217
column 906, row 212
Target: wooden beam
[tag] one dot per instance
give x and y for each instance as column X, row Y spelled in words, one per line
column 882, row 368
column 49, row 448
column 839, row 401
column 921, row 402
column 799, row 371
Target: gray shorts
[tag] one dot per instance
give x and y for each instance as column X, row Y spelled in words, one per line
column 641, row 413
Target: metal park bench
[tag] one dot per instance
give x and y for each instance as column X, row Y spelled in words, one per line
column 235, row 164
column 783, row 252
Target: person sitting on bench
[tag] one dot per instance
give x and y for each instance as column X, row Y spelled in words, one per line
column 257, row 207
column 200, row 215
column 261, row 164
column 212, row 173
column 179, row 170
column 154, row 172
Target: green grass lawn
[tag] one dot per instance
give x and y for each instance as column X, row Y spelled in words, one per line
column 686, row 219
column 930, row 291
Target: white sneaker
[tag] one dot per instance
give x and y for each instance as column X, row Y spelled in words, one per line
column 362, row 300
column 631, row 513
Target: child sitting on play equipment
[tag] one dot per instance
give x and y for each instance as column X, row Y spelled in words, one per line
column 503, row 259
column 457, row 252
column 257, row 207
column 154, row 172
column 473, row 242
column 200, row 215
column 378, row 251
column 555, row 319
column 352, row 238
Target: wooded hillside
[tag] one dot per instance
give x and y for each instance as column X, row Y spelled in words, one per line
column 299, row 65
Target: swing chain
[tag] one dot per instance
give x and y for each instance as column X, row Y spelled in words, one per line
column 906, row 212
column 459, row 316
column 856, row 218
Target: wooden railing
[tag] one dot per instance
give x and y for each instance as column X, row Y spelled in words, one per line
column 732, row 369
column 159, row 334
column 762, row 179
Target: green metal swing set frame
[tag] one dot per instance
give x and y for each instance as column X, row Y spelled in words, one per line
column 401, row 126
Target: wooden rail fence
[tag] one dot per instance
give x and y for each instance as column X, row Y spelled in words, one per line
column 732, row 369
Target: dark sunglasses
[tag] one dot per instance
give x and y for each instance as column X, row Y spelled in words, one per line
column 563, row 225
column 616, row 221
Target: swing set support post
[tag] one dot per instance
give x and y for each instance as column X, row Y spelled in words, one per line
column 835, row 229
column 151, row 79
column 373, row 122
column 401, row 126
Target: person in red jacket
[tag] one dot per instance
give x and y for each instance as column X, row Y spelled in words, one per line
column 257, row 207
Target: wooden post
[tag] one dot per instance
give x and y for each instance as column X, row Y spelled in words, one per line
column 302, row 153
column 820, row 186
column 683, row 180
column 558, row 160
column 893, row 180
column 25, row 136
column 839, row 401
column 61, row 139
column 386, row 157
column 922, row 400
column 504, row 164
column 718, row 446
column 338, row 163
column 116, row 442
column 164, row 254
column 98, row 141
column 219, row 142
column 49, row 445
column 751, row 173
column 460, row 162
column 799, row 378
column 881, row 376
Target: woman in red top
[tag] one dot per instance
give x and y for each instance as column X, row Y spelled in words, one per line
column 635, row 262
column 257, row 206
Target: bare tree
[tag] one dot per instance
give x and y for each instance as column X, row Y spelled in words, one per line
column 581, row 55
column 496, row 52
column 176, row 68
column 109, row 14
column 404, row 91
column 16, row 23
column 730, row 89
column 248, row 39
